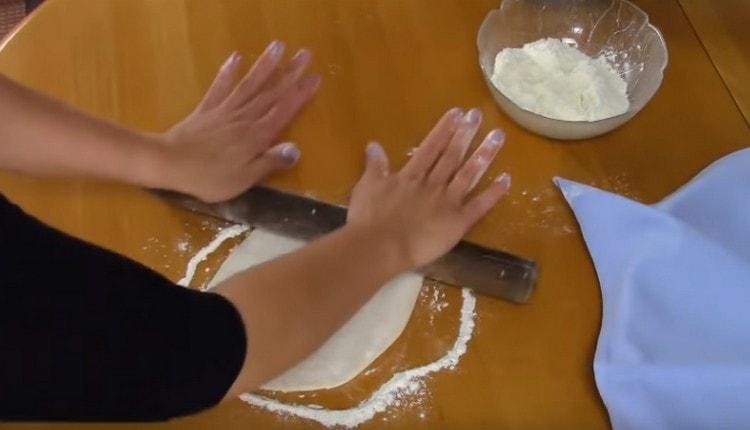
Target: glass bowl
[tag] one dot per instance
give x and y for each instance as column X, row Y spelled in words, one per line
column 617, row 29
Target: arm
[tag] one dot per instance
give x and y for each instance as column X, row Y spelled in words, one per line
column 396, row 222
column 44, row 137
column 97, row 337
column 292, row 304
column 228, row 141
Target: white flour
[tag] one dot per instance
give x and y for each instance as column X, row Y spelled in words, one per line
column 201, row 255
column 406, row 383
column 558, row 81
column 437, row 302
column 401, row 385
column 183, row 245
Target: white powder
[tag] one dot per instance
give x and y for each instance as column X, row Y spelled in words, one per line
column 558, row 81
column 392, row 393
column 437, row 302
column 201, row 255
column 183, row 245
column 408, row 382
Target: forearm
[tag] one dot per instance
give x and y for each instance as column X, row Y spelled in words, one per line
column 291, row 305
column 43, row 137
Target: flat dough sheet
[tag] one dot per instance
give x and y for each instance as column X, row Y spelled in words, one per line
column 355, row 345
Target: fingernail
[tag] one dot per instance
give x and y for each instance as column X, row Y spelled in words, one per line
column 374, row 150
column 290, row 153
column 504, row 179
column 302, row 56
column 473, row 116
column 456, row 113
column 276, row 48
column 232, row 60
column 310, row 81
column 496, row 137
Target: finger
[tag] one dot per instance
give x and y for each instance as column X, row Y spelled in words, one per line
column 454, row 153
column 257, row 76
column 223, row 83
column 279, row 157
column 276, row 88
column 377, row 161
column 487, row 199
column 432, row 146
column 473, row 170
column 278, row 118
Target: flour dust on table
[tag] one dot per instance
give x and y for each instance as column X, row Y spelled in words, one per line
column 405, row 388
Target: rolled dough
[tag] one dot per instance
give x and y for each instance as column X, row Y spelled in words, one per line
column 356, row 344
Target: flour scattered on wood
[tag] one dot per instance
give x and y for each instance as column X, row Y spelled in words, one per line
column 203, row 253
column 400, row 390
column 183, row 245
column 437, row 302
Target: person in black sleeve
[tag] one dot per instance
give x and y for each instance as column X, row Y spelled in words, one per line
column 89, row 335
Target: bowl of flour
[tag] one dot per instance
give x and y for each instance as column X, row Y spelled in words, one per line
column 571, row 69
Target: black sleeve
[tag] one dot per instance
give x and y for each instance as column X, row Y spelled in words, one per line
column 88, row 335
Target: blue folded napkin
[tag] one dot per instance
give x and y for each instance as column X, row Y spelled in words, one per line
column 674, row 346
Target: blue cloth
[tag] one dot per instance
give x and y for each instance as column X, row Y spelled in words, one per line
column 674, row 346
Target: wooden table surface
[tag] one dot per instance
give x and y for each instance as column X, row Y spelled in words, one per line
column 724, row 28
column 390, row 69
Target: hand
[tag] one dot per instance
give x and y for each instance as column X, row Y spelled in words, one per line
column 423, row 210
column 229, row 142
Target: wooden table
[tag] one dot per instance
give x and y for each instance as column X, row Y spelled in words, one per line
column 390, row 68
column 723, row 29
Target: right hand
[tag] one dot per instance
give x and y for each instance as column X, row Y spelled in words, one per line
column 423, row 211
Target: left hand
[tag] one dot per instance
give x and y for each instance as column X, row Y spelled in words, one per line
column 229, row 142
